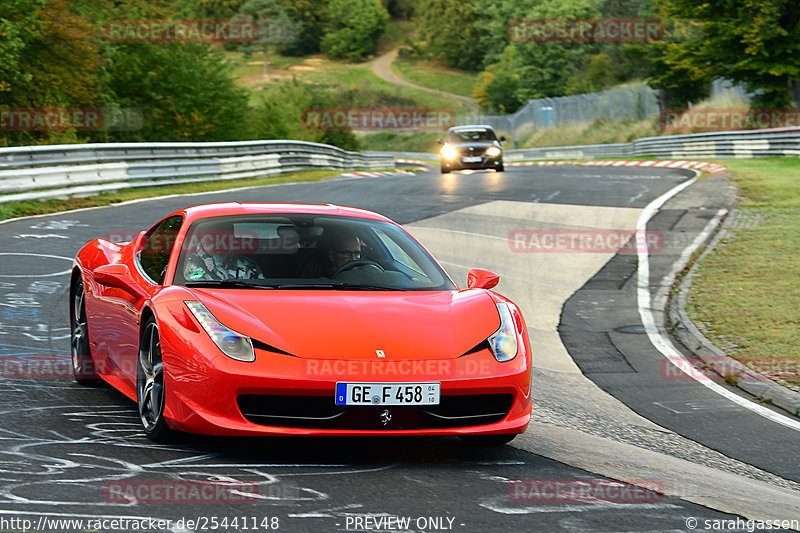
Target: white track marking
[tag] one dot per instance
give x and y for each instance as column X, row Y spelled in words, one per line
column 37, row 275
column 40, row 236
column 473, row 234
column 660, row 339
column 167, row 196
column 504, row 505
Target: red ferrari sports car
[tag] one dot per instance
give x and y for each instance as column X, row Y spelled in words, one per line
column 286, row 319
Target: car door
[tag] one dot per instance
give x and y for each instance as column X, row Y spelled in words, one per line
column 148, row 268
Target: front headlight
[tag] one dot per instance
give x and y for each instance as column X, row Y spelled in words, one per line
column 234, row 345
column 503, row 342
column 493, row 151
column 449, row 153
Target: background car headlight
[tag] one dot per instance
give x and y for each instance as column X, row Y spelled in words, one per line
column 493, row 151
column 449, row 153
column 234, row 345
column 503, row 342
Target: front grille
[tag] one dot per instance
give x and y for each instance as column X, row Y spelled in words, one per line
column 320, row 412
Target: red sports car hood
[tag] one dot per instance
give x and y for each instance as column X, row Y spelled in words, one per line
column 354, row 325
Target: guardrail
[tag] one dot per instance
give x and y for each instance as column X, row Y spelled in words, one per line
column 37, row 172
column 406, row 155
column 728, row 144
column 571, row 152
column 739, row 144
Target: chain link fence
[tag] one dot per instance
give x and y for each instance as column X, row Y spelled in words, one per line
column 634, row 103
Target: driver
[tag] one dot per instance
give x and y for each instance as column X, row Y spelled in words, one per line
column 207, row 264
column 342, row 248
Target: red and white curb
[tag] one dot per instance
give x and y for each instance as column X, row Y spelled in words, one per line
column 712, row 168
column 411, row 161
column 366, row 174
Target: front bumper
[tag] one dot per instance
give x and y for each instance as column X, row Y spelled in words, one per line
column 484, row 163
column 285, row 395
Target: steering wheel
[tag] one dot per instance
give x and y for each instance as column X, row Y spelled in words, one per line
column 357, row 263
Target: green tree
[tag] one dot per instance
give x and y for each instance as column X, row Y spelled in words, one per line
column 447, row 27
column 596, row 75
column 675, row 71
column 501, row 89
column 48, row 58
column 353, row 28
column 279, row 114
column 545, row 68
column 626, row 60
column 19, row 24
column 493, row 28
column 310, row 17
column 402, row 9
column 270, row 17
column 209, row 9
column 527, row 68
column 755, row 42
column 184, row 91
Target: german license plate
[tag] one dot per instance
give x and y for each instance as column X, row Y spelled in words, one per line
column 387, row 393
column 472, row 159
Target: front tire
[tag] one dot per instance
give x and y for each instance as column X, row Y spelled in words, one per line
column 150, row 385
column 83, row 368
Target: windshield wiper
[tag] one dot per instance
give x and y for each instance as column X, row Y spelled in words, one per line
column 227, row 284
column 360, row 287
column 309, row 286
column 335, row 287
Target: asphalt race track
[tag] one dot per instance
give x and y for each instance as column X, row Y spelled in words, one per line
column 603, row 408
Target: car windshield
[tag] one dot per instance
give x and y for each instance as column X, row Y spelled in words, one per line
column 301, row 251
column 462, row 136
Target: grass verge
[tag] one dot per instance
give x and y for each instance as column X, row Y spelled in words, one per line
column 746, row 294
column 320, row 70
column 605, row 131
column 601, row 131
column 416, row 141
column 396, row 32
column 40, row 207
column 434, row 76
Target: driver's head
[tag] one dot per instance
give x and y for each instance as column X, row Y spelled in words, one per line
column 204, row 243
column 213, row 240
column 343, row 246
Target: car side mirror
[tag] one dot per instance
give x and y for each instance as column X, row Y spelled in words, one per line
column 118, row 276
column 502, row 138
column 481, row 278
